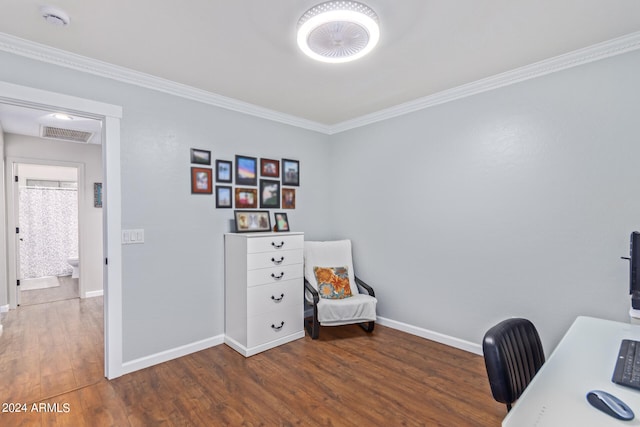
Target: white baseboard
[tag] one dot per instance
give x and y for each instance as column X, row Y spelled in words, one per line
column 93, row 294
column 174, row 353
column 246, row 352
column 4, row 308
column 164, row 356
column 431, row 335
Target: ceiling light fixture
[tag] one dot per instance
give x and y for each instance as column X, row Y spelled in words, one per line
column 338, row 31
column 62, row 116
column 55, row 16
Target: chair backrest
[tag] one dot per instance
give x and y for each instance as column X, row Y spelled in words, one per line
column 335, row 253
column 513, row 354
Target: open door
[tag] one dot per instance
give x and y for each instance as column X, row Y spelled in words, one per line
column 18, row 237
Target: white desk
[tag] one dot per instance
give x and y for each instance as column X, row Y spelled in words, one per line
column 583, row 361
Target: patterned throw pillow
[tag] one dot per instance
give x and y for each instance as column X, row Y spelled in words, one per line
column 333, row 282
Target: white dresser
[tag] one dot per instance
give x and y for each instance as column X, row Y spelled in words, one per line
column 263, row 290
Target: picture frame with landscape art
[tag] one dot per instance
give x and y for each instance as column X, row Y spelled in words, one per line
column 269, row 193
column 201, row 181
column 246, row 170
column 246, row 198
column 224, row 197
column 290, row 172
column 252, row 221
column 224, row 171
column 200, row 157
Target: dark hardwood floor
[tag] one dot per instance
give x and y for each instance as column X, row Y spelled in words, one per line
column 346, row 378
column 48, row 349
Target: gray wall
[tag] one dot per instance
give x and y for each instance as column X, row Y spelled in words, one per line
column 514, row 202
column 173, row 284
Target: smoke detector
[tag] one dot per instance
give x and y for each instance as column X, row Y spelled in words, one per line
column 55, row 16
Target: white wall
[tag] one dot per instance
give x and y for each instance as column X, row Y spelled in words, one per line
column 173, row 284
column 90, row 241
column 514, row 202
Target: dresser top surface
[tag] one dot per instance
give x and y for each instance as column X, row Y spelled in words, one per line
column 266, row 234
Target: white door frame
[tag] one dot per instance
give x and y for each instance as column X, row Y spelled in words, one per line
column 112, row 250
column 13, row 221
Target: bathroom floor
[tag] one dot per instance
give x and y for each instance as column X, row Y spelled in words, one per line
column 64, row 288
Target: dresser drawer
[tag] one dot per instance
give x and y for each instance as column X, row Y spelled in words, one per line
column 265, row 298
column 274, row 325
column 281, row 273
column 274, row 259
column 275, row 243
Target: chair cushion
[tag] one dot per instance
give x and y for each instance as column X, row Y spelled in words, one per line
column 333, row 282
column 358, row 308
column 332, row 253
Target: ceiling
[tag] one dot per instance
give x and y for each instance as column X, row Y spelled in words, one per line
column 32, row 122
column 246, row 49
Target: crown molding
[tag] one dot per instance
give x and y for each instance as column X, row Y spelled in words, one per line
column 593, row 53
column 40, row 52
column 51, row 55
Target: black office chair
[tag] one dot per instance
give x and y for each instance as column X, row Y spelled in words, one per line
column 513, row 354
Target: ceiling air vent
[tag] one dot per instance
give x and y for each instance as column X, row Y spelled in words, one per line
column 65, row 134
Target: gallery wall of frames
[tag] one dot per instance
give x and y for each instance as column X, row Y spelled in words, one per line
column 250, row 185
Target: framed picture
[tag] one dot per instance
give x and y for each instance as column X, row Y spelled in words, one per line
column 97, row 194
column 246, row 170
column 246, row 198
column 252, row 221
column 270, row 168
column 269, row 193
column 290, row 172
column 288, row 198
column 223, row 171
column 224, row 196
column 201, row 181
column 282, row 223
column 201, row 157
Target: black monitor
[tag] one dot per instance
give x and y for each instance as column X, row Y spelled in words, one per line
column 634, row 269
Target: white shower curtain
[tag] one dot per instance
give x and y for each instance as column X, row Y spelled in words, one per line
column 48, row 229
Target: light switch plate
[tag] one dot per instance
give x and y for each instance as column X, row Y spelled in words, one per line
column 133, row 236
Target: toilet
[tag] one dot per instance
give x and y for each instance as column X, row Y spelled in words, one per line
column 74, row 262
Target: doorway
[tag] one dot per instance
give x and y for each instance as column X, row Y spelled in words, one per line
column 109, row 115
column 47, row 242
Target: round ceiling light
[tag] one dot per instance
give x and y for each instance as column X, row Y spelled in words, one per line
column 62, row 116
column 338, row 31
